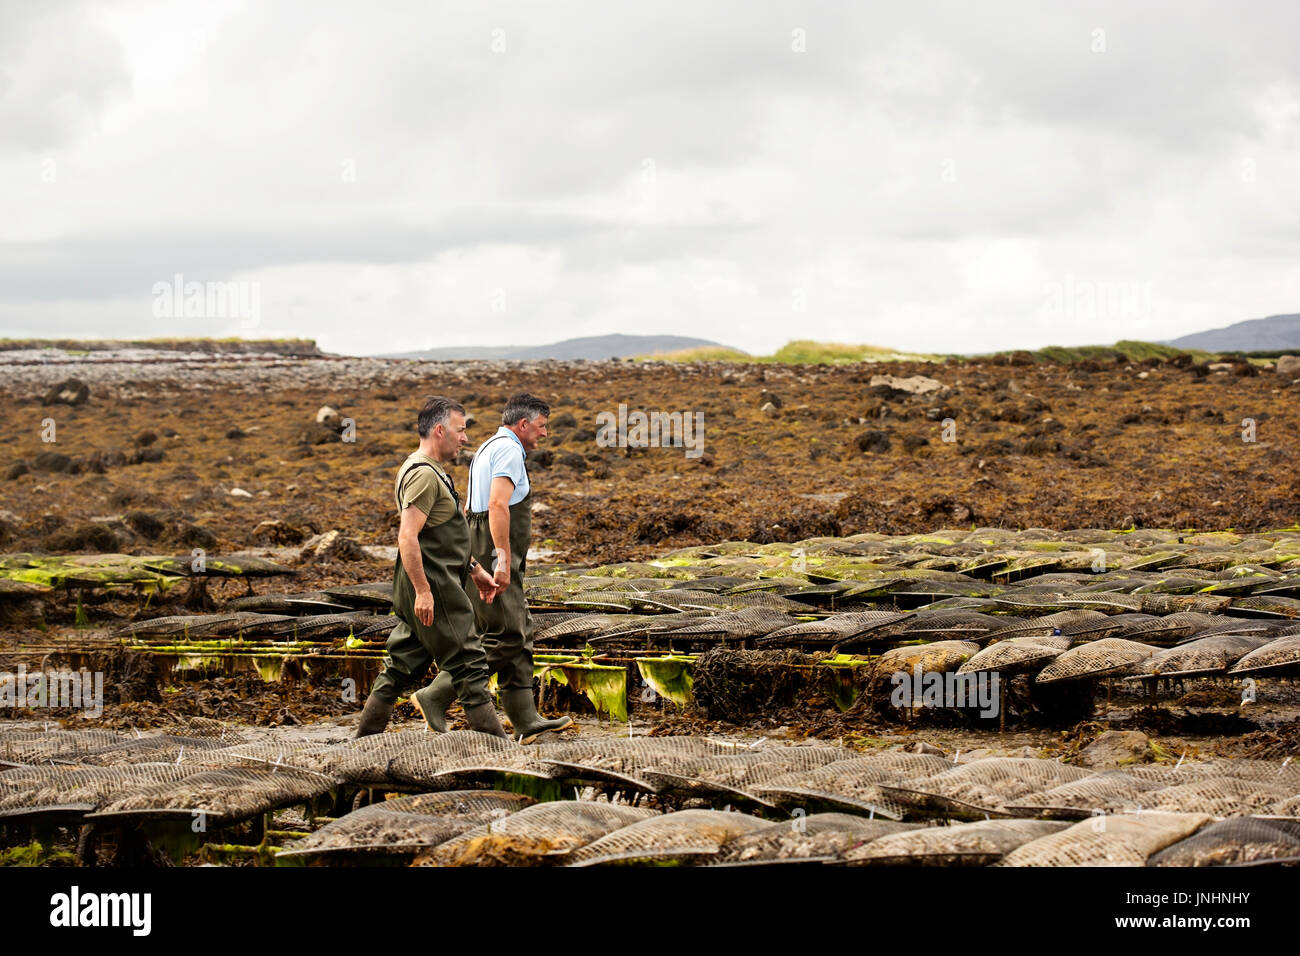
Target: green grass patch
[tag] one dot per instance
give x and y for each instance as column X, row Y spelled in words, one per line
column 807, row 352
column 1127, row 350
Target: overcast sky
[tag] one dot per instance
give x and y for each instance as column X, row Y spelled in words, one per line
column 393, row 176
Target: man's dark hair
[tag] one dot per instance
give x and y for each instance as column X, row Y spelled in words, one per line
column 526, row 406
column 435, row 411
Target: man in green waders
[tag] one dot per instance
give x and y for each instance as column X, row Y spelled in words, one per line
column 435, row 617
column 499, row 502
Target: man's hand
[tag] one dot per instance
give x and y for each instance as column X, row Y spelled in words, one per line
column 499, row 526
column 487, row 589
column 424, row 608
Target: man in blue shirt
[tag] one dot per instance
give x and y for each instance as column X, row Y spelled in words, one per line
column 499, row 509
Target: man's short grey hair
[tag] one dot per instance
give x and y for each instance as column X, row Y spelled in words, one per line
column 435, row 411
column 523, row 406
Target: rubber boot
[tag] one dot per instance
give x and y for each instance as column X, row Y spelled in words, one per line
column 526, row 722
column 433, row 700
column 483, row 718
column 374, row 716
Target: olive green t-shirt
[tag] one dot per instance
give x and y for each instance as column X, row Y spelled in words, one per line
column 425, row 489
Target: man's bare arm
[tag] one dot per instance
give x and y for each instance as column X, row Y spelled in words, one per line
column 499, row 525
column 408, row 546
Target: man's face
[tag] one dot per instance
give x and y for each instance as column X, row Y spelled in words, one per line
column 532, row 432
column 451, row 436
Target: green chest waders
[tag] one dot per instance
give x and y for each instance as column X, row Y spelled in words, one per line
column 451, row 642
column 505, row 624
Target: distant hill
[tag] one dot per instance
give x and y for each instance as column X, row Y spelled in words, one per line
column 594, row 347
column 1275, row 333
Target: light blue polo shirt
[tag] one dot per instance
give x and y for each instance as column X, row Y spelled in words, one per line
column 501, row 456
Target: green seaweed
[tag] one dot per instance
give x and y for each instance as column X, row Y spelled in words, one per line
column 34, row 854
column 670, row 676
column 849, row 660
column 541, row 789
column 269, row 668
column 196, row 662
column 148, row 573
column 604, row 686
column 841, row 679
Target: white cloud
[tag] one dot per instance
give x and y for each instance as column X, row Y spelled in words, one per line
column 923, row 178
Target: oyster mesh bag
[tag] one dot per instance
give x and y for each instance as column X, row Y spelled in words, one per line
column 1286, row 773
column 952, row 625
column 636, row 627
column 1110, row 655
column 556, row 627
column 636, row 747
column 181, row 625
column 154, row 748
column 431, row 753
column 409, row 824
column 223, row 796
column 683, row 599
column 1220, row 797
column 1111, row 602
column 684, row 835
column 1269, row 605
column 364, row 760
column 1107, row 792
column 1011, row 656
column 546, row 832
column 462, row 772
column 1104, row 626
column 1234, row 843
column 1206, row 655
column 317, row 626
column 984, row 786
column 1044, row 626
column 961, row 844
column 1163, row 630
column 74, row 788
column 1288, row 809
column 297, row 756
column 832, row 630
column 819, row 837
column 749, row 622
column 855, row 784
column 1115, row 840
column 1108, row 625
column 734, row 773
column 937, row 656
column 1166, row 775
column 619, row 759
column 1172, row 603
column 37, row 746
column 1283, row 653
column 598, row 600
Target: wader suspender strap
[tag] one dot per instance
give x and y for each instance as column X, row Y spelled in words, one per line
column 469, row 482
column 445, row 480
